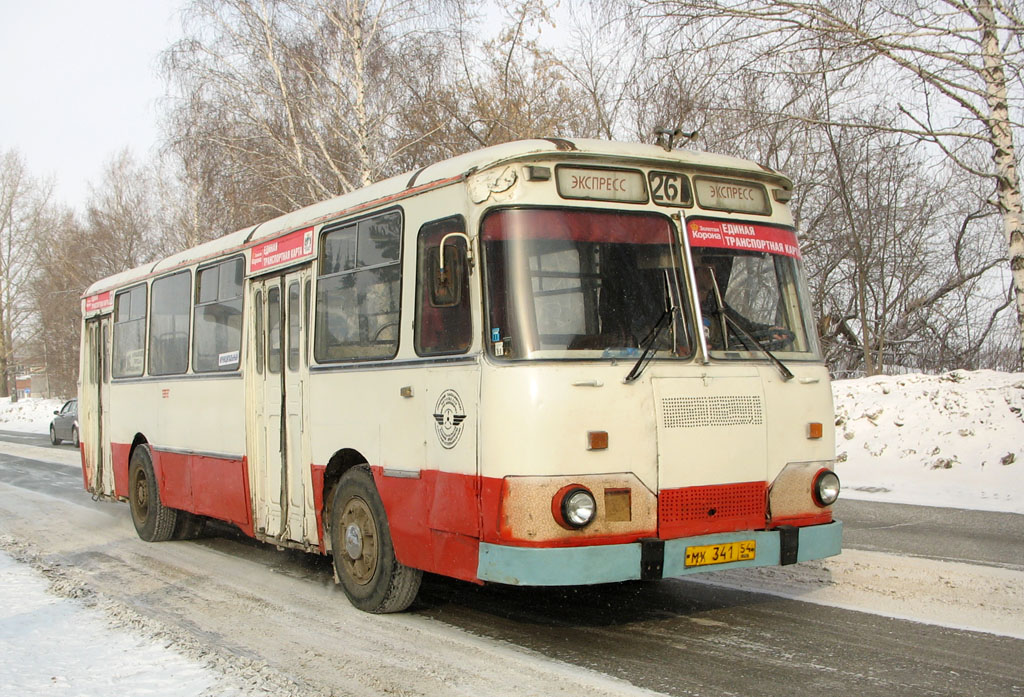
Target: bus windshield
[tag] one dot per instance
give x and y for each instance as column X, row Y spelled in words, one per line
column 582, row 284
column 751, row 290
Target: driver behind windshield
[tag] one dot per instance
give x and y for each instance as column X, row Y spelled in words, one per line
column 709, row 271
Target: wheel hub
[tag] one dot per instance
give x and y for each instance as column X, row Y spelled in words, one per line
column 140, row 504
column 353, row 541
column 359, row 538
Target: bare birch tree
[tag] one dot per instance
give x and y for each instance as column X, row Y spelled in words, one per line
column 120, row 231
column 121, row 217
column 24, row 211
column 63, row 269
column 281, row 103
column 953, row 68
column 513, row 87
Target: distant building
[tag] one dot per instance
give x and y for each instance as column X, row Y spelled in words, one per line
column 23, row 384
column 32, row 385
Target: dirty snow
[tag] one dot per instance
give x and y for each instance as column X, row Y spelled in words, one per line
column 939, row 592
column 54, row 646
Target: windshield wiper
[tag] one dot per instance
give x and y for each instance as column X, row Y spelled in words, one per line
column 745, row 336
column 749, row 340
column 648, row 345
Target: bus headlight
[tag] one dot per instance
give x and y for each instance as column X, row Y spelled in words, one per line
column 826, row 488
column 578, row 507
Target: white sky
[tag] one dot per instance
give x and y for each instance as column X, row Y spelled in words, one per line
column 80, row 82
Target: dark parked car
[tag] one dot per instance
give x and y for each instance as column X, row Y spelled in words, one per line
column 65, row 424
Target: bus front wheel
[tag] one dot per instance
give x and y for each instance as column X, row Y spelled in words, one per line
column 364, row 556
column 153, row 521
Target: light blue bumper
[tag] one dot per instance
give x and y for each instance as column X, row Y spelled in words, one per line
column 570, row 566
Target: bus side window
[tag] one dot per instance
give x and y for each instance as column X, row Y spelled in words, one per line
column 168, row 324
column 443, row 320
column 358, row 290
column 129, row 332
column 218, row 317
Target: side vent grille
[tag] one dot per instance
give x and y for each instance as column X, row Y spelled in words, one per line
column 701, row 412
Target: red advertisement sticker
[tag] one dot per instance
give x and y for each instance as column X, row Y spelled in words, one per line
column 100, row 301
column 284, row 250
column 744, row 237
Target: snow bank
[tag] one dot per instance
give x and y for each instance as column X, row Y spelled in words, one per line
column 940, row 440
column 28, row 415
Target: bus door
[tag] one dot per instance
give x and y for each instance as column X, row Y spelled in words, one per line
column 94, row 408
column 278, row 441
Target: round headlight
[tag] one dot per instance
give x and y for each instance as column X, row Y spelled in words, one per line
column 826, row 488
column 578, row 507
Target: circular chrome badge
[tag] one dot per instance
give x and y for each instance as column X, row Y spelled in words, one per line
column 449, row 415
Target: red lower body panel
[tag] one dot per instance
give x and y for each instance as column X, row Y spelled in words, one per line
column 434, row 520
column 209, row 486
column 438, row 519
column 120, row 453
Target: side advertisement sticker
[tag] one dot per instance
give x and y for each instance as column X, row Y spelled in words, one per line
column 100, row 301
column 292, row 247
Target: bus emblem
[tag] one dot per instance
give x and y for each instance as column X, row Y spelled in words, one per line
column 449, row 415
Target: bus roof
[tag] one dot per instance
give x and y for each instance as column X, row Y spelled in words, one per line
column 453, row 169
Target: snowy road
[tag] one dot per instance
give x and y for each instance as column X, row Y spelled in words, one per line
column 273, row 619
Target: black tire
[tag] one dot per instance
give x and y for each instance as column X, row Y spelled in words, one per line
column 364, row 556
column 153, row 521
column 189, row 526
column 53, row 436
column 74, row 436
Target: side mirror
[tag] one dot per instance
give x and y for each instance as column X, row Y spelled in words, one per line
column 469, row 247
column 447, row 279
column 446, row 284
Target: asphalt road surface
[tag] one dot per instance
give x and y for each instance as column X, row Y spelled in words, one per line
column 688, row 638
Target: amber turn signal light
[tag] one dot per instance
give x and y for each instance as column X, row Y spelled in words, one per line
column 597, row 440
column 814, row 431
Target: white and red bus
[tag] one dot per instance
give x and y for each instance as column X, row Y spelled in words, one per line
column 547, row 362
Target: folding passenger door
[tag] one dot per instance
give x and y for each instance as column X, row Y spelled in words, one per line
column 277, row 377
column 94, row 408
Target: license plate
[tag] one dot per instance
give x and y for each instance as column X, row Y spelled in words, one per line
column 721, row 553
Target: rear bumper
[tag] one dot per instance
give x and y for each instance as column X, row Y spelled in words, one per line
column 570, row 566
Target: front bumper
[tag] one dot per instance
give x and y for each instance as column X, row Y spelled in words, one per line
column 645, row 559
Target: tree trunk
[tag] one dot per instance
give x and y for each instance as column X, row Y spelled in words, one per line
column 1008, row 194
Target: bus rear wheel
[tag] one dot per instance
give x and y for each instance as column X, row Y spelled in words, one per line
column 364, row 556
column 153, row 521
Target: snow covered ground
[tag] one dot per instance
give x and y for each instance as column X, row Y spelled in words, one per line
column 51, row 645
column 28, row 415
column 948, row 440
column 955, row 439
